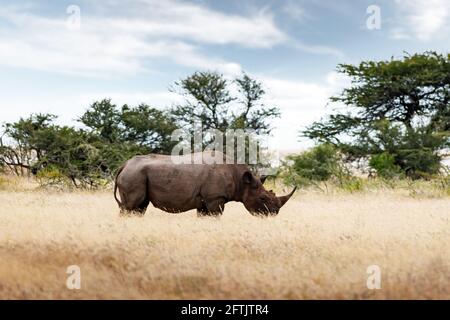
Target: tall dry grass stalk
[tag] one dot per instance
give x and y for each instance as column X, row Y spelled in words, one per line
column 318, row 247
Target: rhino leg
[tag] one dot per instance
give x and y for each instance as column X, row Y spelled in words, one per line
column 134, row 203
column 212, row 208
column 129, row 213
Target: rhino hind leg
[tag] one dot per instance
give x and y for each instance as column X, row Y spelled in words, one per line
column 138, row 211
column 134, row 204
column 132, row 213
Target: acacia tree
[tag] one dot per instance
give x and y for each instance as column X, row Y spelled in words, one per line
column 254, row 114
column 88, row 156
column 146, row 127
column 103, row 118
column 208, row 100
column 24, row 142
column 400, row 107
column 36, row 145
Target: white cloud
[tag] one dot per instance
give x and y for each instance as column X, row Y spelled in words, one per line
column 124, row 39
column 293, row 10
column 191, row 21
column 422, row 19
column 301, row 103
column 318, row 49
column 69, row 107
column 399, row 34
column 108, row 44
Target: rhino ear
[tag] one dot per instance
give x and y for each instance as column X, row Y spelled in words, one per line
column 248, row 178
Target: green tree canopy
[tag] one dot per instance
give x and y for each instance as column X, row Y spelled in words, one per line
column 144, row 126
column 208, row 99
column 84, row 156
column 392, row 106
column 147, row 127
column 37, row 144
column 103, row 118
column 89, row 154
column 218, row 103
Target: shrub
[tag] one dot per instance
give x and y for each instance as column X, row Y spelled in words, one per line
column 418, row 153
column 314, row 166
column 384, row 165
column 51, row 176
column 352, row 184
column 443, row 180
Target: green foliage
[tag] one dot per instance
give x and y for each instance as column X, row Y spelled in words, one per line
column 399, row 90
column 316, row 165
column 148, row 128
column 443, row 180
column 208, row 100
column 352, row 184
column 397, row 151
column 321, row 166
column 30, row 137
column 52, row 176
column 89, row 156
column 399, row 108
column 59, row 155
column 103, row 118
column 384, row 165
column 44, row 149
column 253, row 115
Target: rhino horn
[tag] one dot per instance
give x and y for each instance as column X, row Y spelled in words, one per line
column 263, row 178
column 284, row 199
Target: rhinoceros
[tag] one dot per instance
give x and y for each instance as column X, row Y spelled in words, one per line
column 181, row 183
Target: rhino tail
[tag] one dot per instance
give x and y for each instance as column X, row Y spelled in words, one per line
column 115, row 186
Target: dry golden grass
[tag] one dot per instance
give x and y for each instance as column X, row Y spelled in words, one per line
column 318, row 247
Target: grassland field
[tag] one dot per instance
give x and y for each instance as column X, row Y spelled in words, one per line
column 319, row 247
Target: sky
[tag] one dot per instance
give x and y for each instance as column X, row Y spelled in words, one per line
column 60, row 56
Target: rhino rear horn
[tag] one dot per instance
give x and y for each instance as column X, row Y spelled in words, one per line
column 263, row 178
column 284, row 199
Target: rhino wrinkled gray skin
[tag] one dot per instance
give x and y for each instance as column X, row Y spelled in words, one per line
column 175, row 187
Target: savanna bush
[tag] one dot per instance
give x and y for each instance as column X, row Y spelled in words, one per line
column 318, row 166
column 384, row 165
column 2, row 182
column 52, row 176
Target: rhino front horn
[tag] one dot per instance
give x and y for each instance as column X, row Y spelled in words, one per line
column 284, row 199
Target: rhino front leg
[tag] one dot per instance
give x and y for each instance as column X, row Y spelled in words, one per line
column 212, row 208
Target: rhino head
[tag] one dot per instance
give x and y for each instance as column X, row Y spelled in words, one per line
column 259, row 201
